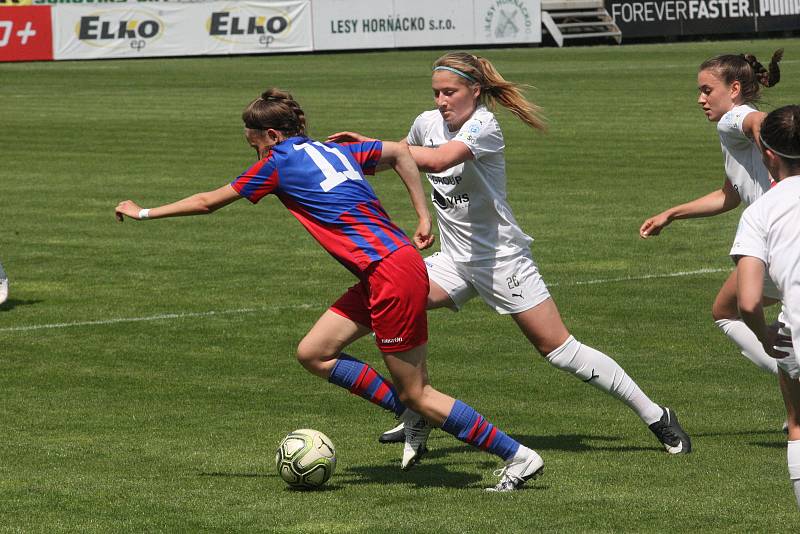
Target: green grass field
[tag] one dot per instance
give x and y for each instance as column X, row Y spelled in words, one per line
column 147, row 370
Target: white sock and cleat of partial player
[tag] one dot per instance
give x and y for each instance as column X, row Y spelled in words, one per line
column 525, row 465
column 416, row 433
column 3, row 285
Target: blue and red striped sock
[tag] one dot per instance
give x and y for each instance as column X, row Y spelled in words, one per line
column 470, row 427
column 362, row 380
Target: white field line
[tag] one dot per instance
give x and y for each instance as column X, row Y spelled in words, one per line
column 162, row 317
column 241, row 311
column 643, row 277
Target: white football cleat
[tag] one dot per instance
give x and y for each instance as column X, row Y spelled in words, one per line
column 417, row 430
column 525, row 465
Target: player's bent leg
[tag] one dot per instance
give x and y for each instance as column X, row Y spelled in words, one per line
column 725, row 312
column 409, row 372
column 318, row 351
column 437, row 298
column 544, row 327
column 426, row 406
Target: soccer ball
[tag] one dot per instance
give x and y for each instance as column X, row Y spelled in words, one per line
column 305, row 459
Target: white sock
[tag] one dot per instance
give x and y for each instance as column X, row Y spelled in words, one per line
column 793, row 459
column 594, row 367
column 748, row 343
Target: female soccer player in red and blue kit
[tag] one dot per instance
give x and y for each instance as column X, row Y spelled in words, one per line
column 323, row 186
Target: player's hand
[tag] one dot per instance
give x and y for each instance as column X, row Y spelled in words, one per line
column 347, row 137
column 775, row 340
column 423, row 237
column 127, row 208
column 653, row 225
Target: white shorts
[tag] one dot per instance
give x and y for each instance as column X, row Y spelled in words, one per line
column 789, row 364
column 511, row 284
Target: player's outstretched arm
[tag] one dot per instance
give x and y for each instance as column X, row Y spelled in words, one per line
column 399, row 158
column 348, row 137
column 714, row 203
column 442, row 157
column 198, row 204
column 355, row 137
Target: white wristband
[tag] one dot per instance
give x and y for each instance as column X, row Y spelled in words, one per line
column 144, row 214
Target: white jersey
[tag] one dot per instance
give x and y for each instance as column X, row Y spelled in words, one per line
column 770, row 231
column 475, row 220
column 743, row 165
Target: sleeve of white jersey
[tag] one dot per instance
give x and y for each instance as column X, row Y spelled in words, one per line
column 751, row 235
column 730, row 125
column 481, row 137
column 416, row 134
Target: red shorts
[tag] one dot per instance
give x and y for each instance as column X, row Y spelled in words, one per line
column 391, row 300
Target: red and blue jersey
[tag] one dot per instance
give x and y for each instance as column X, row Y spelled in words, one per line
column 323, row 186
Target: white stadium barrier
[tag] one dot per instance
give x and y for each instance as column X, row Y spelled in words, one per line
column 94, row 29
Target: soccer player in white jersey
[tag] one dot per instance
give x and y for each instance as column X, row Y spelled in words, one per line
column 3, row 285
column 768, row 241
column 729, row 87
column 484, row 252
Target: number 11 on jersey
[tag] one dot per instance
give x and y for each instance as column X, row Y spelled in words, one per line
column 332, row 176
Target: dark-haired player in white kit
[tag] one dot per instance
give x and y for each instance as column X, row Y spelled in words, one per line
column 484, row 252
column 768, row 242
column 729, row 86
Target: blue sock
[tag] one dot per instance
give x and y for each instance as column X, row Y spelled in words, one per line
column 362, row 380
column 470, row 427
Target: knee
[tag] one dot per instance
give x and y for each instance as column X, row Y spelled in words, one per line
column 412, row 399
column 725, row 306
column 311, row 357
column 720, row 311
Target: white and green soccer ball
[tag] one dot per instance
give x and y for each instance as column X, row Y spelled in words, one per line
column 305, row 459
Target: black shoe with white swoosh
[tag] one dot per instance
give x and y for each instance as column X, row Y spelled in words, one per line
column 670, row 434
column 395, row 435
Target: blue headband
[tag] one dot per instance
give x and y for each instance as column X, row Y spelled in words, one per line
column 456, row 71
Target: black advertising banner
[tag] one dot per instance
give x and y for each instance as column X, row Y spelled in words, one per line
column 664, row 18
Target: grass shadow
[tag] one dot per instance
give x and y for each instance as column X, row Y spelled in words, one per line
column 326, row 487
column 559, row 442
column 769, row 445
column 776, row 432
column 10, row 304
column 235, row 475
column 424, row 475
column 780, row 437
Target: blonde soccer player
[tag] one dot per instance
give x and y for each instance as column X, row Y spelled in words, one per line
column 768, row 243
column 729, row 87
column 484, row 252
